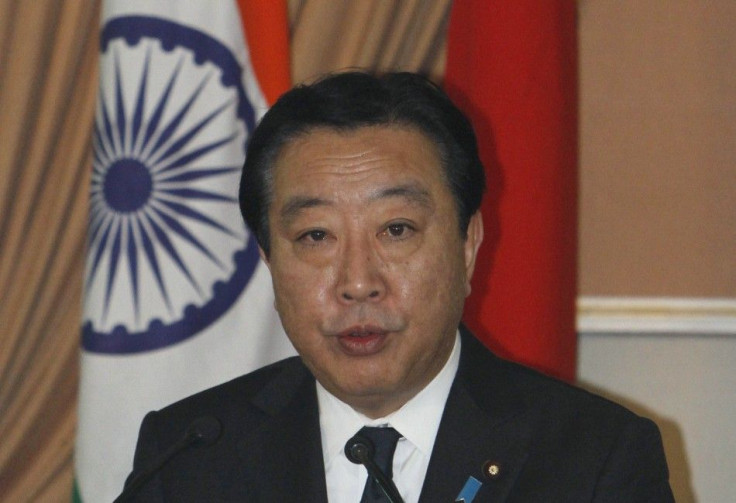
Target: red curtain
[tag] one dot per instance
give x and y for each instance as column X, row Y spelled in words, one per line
column 512, row 66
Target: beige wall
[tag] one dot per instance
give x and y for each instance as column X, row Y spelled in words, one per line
column 658, row 148
column 686, row 383
column 658, row 219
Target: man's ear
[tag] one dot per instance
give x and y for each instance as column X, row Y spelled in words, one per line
column 472, row 243
column 264, row 257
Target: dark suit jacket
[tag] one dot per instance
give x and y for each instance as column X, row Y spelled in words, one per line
column 551, row 441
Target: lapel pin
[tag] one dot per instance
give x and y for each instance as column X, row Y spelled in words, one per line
column 491, row 469
column 470, row 489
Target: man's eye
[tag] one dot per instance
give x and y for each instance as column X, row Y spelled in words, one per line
column 315, row 235
column 398, row 230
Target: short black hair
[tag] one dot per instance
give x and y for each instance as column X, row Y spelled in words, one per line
column 351, row 100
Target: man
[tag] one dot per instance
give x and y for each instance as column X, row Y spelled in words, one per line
column 363, row 193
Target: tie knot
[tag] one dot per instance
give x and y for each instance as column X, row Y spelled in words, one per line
column 381, row 437
column 384, row 441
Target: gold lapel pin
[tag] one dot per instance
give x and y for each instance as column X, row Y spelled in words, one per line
column 491, row 469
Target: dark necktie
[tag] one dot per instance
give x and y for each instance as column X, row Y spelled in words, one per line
column 384, row 440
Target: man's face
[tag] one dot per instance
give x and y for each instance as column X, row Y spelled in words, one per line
column 369, row 267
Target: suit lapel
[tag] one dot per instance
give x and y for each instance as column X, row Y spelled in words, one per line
column 281, row 459
column 484, row 423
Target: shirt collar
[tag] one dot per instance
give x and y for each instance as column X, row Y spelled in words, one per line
column 418, row 420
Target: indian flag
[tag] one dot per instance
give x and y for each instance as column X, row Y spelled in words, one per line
column 176, row 299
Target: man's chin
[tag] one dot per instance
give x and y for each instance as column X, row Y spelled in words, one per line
column 369, row 394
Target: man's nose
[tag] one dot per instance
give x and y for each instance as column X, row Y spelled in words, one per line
column 361, row 277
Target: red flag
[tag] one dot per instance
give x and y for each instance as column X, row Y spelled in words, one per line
column 512, row 66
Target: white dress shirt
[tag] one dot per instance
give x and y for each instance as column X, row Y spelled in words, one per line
column 417, row 421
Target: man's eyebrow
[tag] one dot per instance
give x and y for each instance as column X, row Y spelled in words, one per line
column 414, row 194
column 294, row 205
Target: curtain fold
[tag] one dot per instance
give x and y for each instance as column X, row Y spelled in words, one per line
column 387, row 35
column 48, row 58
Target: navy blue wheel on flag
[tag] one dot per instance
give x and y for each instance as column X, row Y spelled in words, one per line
column 168, row 253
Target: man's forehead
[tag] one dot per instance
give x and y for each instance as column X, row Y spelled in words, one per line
column 413, row 194
column 347, row 146
column 401, row 151
column 345, row 135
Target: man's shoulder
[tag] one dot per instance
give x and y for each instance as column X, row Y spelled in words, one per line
column 507, row 381
column 550, row 393
column 560, row 437
column 242, row 392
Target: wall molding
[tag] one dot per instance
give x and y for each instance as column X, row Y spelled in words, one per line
column 656, row 315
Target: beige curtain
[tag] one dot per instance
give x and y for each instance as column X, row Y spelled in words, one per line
column 48, row 78
column 47, row 93
column 383, row 35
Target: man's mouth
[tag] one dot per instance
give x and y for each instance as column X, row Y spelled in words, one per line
column 362, row 340
column 362, row 331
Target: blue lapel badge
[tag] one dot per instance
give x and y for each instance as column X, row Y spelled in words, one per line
column 470, row 489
